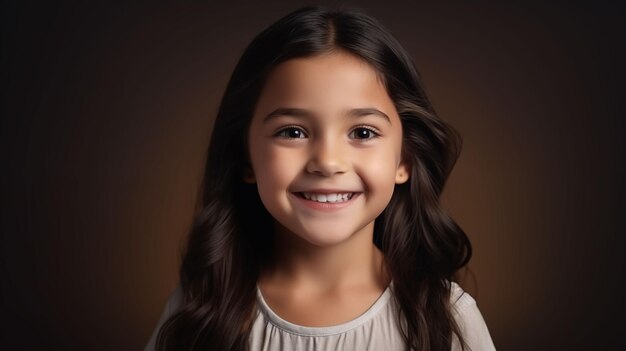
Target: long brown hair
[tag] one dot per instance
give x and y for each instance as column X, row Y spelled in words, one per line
column 231, row 237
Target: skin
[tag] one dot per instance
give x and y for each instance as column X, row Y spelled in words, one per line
column 326, row 269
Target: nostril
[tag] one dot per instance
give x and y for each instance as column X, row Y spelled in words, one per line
column 327, row 166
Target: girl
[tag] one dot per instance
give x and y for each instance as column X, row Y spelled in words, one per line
column 320, row 226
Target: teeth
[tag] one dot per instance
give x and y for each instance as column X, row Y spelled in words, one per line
column 338, row 197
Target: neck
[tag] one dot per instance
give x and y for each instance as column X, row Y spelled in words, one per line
column 352, row 263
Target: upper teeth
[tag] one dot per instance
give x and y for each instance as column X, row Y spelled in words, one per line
column 338, row 197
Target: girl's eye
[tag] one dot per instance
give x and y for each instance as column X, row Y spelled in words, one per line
column 363, row 133
column 291, row 133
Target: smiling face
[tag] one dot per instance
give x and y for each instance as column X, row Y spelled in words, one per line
column 325, row 147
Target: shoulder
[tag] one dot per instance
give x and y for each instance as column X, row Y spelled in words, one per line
column 175, row 299
column 470, row 320
column 459, row 298
column 173, row 303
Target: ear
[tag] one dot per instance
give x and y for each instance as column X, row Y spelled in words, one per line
column 248, row 175
column 402, row 173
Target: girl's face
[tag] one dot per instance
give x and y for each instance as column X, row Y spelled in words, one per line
column 325, row 147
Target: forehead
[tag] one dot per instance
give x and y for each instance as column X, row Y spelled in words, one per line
column 325, row 83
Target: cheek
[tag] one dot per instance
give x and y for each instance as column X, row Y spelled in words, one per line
column 275, row 168
column 379, row 169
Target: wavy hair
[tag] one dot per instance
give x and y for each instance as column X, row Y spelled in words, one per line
column 231, row 236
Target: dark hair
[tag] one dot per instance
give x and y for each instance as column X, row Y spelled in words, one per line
column 231, row 237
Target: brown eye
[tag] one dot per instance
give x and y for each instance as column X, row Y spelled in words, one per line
column 363, row 133
column 291, row 133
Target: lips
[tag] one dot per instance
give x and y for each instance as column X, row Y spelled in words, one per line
column 326, row 200
column 327, row 197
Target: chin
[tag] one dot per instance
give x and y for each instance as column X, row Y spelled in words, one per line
column 325, row 238
column 323, row 241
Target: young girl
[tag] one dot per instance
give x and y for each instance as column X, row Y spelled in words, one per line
column 320, row 226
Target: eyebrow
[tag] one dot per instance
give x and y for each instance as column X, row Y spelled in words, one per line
column 303, row 113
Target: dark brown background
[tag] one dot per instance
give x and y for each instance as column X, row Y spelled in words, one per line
column 106, row 117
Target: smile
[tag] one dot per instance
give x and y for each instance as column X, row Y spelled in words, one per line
column 325, row 201
column 330, row 197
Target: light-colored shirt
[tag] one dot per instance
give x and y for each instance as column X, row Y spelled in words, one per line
column 375, row 329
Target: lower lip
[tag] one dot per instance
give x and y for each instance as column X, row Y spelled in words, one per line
column 325, row 206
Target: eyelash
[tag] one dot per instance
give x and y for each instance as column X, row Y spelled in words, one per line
column 281, row 133
column 373, row 131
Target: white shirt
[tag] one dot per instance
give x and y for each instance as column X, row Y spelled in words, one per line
column 375, row 329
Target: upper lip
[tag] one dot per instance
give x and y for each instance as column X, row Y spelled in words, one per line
column 327, row 191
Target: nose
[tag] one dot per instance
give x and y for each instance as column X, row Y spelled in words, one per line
column 327, row 158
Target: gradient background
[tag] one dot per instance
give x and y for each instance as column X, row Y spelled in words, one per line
column 107, row 113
